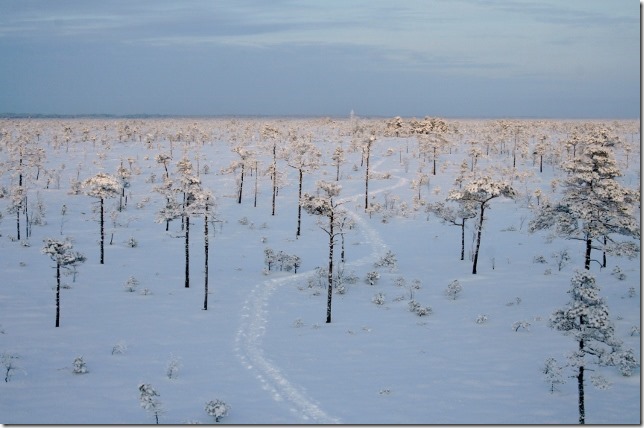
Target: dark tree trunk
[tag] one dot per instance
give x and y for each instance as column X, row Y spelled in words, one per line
column 463, row 239
column 478, row 239
column 241, row 185
column 580, row 385
column 434, row 167
column 18, row 222
column 330, row 274
column 102, row 234
column 205, row 236
column 57, row 294
column 256, row 179
column 274, row 177
column 366, row 180
column 540, row 163
column 299, row 205
column 604, row 253
column 589, row 247
column 187, row 245
column 337, row 172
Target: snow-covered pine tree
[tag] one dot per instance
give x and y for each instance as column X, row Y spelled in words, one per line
column 217, row 409
column 149, row 401
column 63, row 254
column 587, row 320
column 480, row 191
column 325, row 206
column 594, row 208
column 456, row 216
column 304, row 156
column 102, row 186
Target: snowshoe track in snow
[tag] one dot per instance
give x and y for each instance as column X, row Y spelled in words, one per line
column 248, row 341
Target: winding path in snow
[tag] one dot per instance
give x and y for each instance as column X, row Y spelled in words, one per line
column 248, row 340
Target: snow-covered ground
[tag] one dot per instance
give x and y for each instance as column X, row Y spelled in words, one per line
column 263, row 346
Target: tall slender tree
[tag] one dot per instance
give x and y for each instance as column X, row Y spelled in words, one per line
column 102, row 186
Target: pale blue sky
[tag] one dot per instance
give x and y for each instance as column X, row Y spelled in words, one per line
column 448, row 58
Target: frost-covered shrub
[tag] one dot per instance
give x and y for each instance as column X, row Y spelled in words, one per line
column 400, row 281
column 217, row 409
column 552, row 373
column 617, row 273
column 421, row 311
column 298, row 323
column 388, row 261
column 413, row 305
column 631, row 292
column 561, row 258
column 635, row 331
column 378, row 299
column 481, row 319
column 119, row 348
column 453, row 289
column 9, row 364
column 172, row 368
column 372, row 277
column 539, row 259
column 131, row 242
column 131, row 284
column 243, row 221
column 521, row 324
column 79, row 366
column 146, row 292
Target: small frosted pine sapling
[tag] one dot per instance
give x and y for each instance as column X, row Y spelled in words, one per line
column 561, row 258
column 521, row 324
column 79, row 366
column 131, row 242
column 617, row 273
column 415, row 285
column 9, row 364
column 481, row 319
column 131, row 284
column 217, row 409
column 552, row 374
column 388, row 260
column 418, row 309
column 378, row 299
column 453, row 289
column 372, row 277
column 149, row 401
column 172, row 369
column 119, row 349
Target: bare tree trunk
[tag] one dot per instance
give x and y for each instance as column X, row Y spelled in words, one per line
column 330, row 274
column 102, row 233
column 205, row 236
column 366, row 180
column 478, row 239
column 256, row 178
column 57, row 294
column 589, row 247
column 299, row 205
column 604, row 253
column 241, row 184
column 434, row 167
column 18, row 222
column 187, row 245
column 580, row 386
column 463, row 239
column 274, row 176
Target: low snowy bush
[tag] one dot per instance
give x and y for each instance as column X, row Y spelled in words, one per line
column 217, row 409
column 561, row 258
column 119, row 348
column 372, row 277
column 132, row 243
column 421, row 311
column 453, row 289
column 617, row 273
column 131, row 284
column 378, row 299
column 481, row 319
column 539, row 259
column 388, row 261
column 521, row 324
column 79, row 366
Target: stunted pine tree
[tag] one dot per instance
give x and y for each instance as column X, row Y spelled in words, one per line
column 338, row 159
column 102, row 186
column 366, row 148
column 455, row 215
column 241, row 164
column 303, row 156
column 203, row 205
column 480, row 191
column 271, row 136
column 586, row 319
column 63, row 254
column 594, row 208
column 190, row 185
column 324, row 205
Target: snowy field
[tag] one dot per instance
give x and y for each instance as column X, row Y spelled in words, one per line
column 263, row 346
